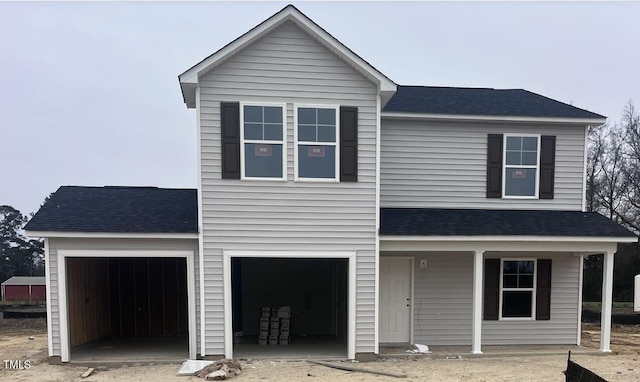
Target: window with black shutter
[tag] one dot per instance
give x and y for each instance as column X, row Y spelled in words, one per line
column 348, row 144
column 520, row 166
column 230, row 135
column 517, row 289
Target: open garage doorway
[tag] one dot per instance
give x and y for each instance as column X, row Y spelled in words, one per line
column 290, row 307
column 127, row 309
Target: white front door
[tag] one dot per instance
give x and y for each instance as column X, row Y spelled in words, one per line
column 395, row 300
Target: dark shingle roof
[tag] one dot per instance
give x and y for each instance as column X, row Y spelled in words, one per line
column 477, row 222
column 481, row 101
column 118, row 209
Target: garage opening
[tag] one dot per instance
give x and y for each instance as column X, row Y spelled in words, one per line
column 289, row 308
column 127, row 309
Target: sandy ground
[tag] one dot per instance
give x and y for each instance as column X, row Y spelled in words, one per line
column 624, row 366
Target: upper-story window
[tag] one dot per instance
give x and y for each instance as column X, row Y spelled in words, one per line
column 521, row 169
column 317, row 132
column 263, row 141
column 521, row 166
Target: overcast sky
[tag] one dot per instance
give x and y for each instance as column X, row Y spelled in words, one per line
column 89, row 92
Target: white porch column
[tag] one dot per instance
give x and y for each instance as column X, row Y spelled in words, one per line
column 607, row 299
column 476, row 328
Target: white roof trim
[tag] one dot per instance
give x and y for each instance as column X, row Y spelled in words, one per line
column 459, row 117
column 509, row 238
column 112, row 235
column 189, row 79
column 25, row 280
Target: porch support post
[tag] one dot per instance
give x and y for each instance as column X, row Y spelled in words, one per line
column 476, row 328
column 607, row 299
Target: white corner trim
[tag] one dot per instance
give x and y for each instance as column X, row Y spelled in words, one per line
column 200, row 228
column 458, row 117
column 111, row 235
column 63, row 308
column 376, row 318
column 226, row 282
column 47, row 274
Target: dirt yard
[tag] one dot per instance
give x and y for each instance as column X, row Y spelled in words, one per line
column 15, row 343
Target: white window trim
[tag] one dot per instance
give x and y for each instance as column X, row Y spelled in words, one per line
column 297, row 178
column 504, row 167
column 283, row 142
column 533, row 290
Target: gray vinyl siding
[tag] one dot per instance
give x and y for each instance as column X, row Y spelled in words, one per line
column 287, row 66
column 443, row 302
column 56, row 244
column 426, row 164
column 442, row 299
column 563, row 326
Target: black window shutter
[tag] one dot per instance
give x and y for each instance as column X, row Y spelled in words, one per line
column 543, row 290
column 547, row 166
column 494, row 166
column 348, row 144
column 491, row 288
column 230, row 135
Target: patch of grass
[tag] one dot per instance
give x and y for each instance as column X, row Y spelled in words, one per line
column 596, row 305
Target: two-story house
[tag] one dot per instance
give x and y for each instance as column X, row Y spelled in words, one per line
column 335, row 212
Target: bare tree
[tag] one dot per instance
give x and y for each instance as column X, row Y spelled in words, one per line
column 606, row 178
column 629, row 209
column 595, row 162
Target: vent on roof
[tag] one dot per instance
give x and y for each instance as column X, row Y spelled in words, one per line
column 128, row 187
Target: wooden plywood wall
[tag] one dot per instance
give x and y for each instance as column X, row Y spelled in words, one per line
column 148, row 297
column 88, row 300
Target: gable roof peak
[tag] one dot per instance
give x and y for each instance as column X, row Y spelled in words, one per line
column 189, row 79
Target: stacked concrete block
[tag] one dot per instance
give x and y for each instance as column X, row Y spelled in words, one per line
column 274, row 326
column 263, row 334
column 284, row 318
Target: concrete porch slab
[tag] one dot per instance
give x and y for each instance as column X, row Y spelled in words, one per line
column 464, row 351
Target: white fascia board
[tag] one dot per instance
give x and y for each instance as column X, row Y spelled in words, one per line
column 555, row 239
column 112, row 235
column 189, row 79
column 458, row 117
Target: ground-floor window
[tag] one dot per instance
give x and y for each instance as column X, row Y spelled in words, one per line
column 517, row 288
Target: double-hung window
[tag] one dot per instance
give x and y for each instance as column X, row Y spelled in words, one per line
column 521, row 166
column 263, row 148
column 316, row 146
column 517, row 292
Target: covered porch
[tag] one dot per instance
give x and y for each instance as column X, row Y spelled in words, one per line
column 478, row 290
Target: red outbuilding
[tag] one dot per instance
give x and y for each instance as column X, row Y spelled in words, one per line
column 24, row 288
